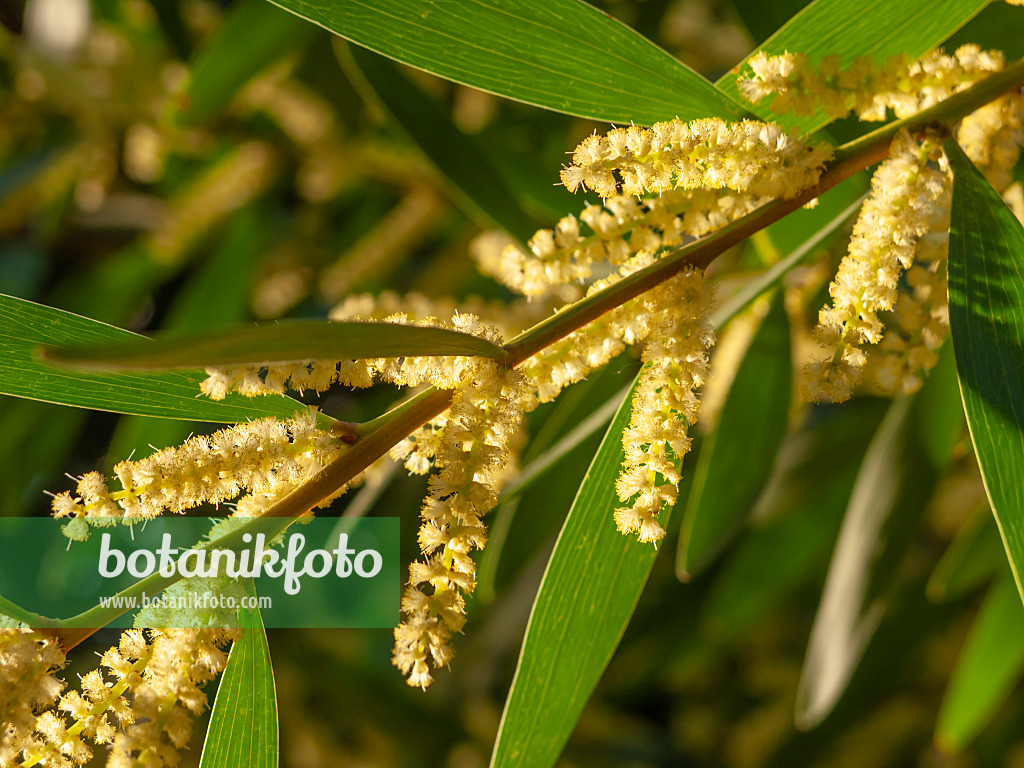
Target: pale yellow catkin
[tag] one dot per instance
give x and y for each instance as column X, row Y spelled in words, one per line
column 866, row 87
column 749, row 156
column 904, row 191
column 266, row 458
column 484, row 414
column 665, row 404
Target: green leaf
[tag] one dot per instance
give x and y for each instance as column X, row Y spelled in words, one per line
column 475, row 181
column 25, row 325
column 284, row 342
column 972, row 559
column 894, row 484
column 989, row 667
column 853, row 28
column 243, row 723
column 559, row 54
column 590, row 589
column 986, row 318
column 795, row 523
column 737, row 458
column 216, row 295
column 762, row 19
column 851, row 607
column 254, row 35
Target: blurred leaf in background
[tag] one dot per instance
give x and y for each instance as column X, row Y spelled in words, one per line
column 188, row 165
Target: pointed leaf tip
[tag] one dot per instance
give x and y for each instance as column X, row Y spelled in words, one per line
column 288, row 342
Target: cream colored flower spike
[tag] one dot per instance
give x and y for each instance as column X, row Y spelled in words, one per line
column 748, row 156
column 665, row 404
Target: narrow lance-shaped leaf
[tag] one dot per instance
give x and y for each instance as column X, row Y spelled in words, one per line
column 25, row 325
column 738, row 456
column 560, row 54
column 973, row 557
column 986, row 318
column 243, row 724
column 989, row 667
column 895, row 481
column 592, row 583
column 853, row 28
column 794, row 524
column 851, row 607
column 285, row 342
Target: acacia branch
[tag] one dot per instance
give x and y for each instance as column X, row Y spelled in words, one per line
column 380, row 435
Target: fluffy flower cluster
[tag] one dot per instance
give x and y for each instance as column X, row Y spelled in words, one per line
column 97, row 712
column 621, row 228
column 319, row 375
column 904, row 193
column 266, row 458
column 664, row 403
column 992, row 137
column 561, row 364
column 141, row 704
column 181, row 662
column 569, row 360
column 919, row 322
column 417, row 451
column 484, row 414
column 867, row 88
column 749, row 156
column 27, row 685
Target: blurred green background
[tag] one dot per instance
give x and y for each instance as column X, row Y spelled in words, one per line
column 189, row 164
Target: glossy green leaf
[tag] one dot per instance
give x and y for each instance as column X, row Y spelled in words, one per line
column 560, row 54
column 243, row 723
column 736, row 459
column 853, row 28
column 25, row 325
column 254, row 35
column 474, row 180
column 989, row 667
column 284, row 342
column 986, row 318
column 592, row 583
